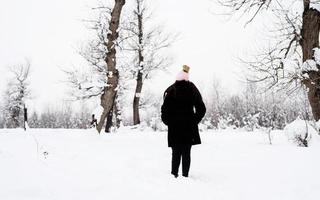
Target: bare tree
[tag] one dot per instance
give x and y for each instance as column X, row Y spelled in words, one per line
column 110, row 90
column 16, row 93
column 290, row 60
column 214, row 102
column 141, row 46
column 103, row 78
column 148, row 45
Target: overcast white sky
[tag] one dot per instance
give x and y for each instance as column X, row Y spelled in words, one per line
column 47, row 32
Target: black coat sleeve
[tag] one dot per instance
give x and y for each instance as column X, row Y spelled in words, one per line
column 165, row 108
column 200, row 108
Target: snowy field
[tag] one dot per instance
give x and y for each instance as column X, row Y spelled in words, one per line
column 46, row 164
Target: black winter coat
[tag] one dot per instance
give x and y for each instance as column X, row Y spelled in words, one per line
column 181, row 111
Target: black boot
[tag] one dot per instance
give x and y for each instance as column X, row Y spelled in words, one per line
column 175, row 175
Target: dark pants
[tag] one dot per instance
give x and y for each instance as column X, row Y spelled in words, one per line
column 178, row 152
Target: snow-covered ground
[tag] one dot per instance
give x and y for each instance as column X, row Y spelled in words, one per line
column 45, row 164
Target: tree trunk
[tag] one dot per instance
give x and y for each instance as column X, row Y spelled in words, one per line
column 108, row 96
column 136, row 100
column 25, row 117
column 109, row 121
column 137, row 94
column 310, row 40
column 117, row 112
column 114, row 112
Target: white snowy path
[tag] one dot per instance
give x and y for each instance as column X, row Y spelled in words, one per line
column 82, row 165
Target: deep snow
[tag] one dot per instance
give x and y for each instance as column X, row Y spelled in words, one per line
column 52, row 164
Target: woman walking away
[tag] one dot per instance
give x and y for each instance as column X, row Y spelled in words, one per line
column 181, row 111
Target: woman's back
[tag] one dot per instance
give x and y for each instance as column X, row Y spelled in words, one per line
column 182, row 99
column 182, row 110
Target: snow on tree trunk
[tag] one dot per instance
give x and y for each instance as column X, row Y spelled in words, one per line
column 310, row 40
column 117, row 113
